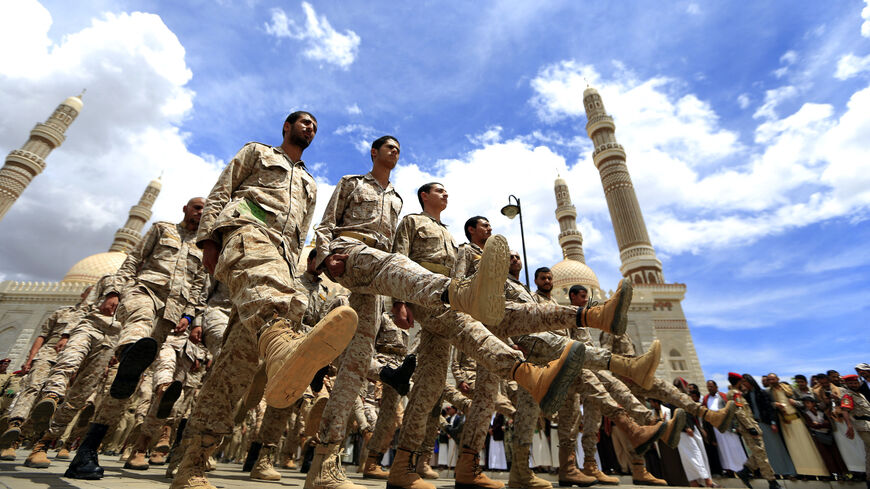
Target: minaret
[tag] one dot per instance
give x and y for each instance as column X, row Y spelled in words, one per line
column 25, row 163
column 638, row 257
column 127, row 237
column 570, row 238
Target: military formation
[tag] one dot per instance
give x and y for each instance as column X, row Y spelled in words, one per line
column 208, row 340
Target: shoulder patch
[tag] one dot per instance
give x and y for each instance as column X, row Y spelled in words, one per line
column 846, row 402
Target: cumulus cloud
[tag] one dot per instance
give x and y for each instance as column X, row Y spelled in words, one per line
column 323, row 42
column 693, row 8
column 850, row 65
column 127, row 134
column 361, row 135
column 804, row 168
column 865, row 14
column 743, row 100
column 353, row 109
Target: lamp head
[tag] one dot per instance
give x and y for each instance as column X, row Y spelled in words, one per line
column 510, row 211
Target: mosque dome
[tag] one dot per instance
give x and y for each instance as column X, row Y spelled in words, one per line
column 74, row 102
column 572, row 272
column 90, row 269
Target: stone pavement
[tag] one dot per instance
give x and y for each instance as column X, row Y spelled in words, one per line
column 14, row 475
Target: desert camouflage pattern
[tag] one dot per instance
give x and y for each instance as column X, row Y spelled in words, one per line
column 463, row 368
column 213, row 314
column 757, row 456
column 424, row 239
column 467, row 259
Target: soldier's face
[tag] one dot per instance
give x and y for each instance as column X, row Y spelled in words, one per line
column 580, row 298
column 481, row 232
column 302, row 131
column 544, row 281
column 853, row 384
column 387, row 155
column 193, row 210
column 516, row 264
column 435, row 197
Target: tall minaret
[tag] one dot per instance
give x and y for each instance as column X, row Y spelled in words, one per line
column 127, row 237
column 25, row 163
column 570, row 238
column 638, row 257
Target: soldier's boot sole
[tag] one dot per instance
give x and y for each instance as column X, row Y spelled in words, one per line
column 135, row 359
column 321, row 346
column 674, row 428
column 172, row 393
column 558, row 391
column 484, row 300
column 9, row 437
column 620, row 319
column 42, row 413
column 730, row 414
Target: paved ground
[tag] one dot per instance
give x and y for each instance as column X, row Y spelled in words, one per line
column 13, row 475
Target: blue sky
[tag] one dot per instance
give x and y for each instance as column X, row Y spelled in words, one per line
column 746, row 131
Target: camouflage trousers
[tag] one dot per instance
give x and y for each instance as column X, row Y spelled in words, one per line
column 604, row 394
column 666, row 393
column 455, row 397
column 354, row 367
column 273, row 425
column 260, row 282
column 295, row 429
column 526, row 418
column 214, row 326
column 86, row 355
column 387, row 422
column 171, row 365
column 757, row 456
column 139, row 316
column 30, row 387
column 110, row 410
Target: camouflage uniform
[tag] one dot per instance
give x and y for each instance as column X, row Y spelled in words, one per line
column 8, row 387
column 259, row 211
column 58, row 324
column 391, row 345
column 213, row 314
column 746, row 426
column 858, row 407
column 86, row 356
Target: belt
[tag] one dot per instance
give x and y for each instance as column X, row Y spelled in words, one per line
column 788, row 418
column 368, row 240
column 862, row 418
column 435, row 268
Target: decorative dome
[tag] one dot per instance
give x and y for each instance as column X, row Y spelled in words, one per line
column 572, row 272
column 90, row 269
column 74, row 102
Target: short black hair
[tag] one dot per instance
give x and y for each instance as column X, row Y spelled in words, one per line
column 821, row 376
column 800, row 376
column 575, row 289
column 472, row 223
column 293, row 117
column 425, row 188
column 540, row 271
column 830, row 372
column 377, row 143
column 714, row 382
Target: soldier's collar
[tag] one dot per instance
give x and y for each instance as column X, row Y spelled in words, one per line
column 424, row 213
column 280, row 150
column 369, row 176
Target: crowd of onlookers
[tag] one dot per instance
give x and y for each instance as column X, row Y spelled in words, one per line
column 805, row 425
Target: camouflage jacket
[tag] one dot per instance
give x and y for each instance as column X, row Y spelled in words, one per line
column 467, row 258
column 263, row 187
column 427, row 241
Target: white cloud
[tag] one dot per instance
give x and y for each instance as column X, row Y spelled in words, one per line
column 353, row 109
column 323, row 42
column 490, row 136
column 126, row 135
column 361, row 135
column 805, row 168
column 865, row 14
column 788, row 58
column 743, row 100
column 693, row 8
column 850, row 65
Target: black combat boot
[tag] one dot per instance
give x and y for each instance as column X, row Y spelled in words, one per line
column 745, row 475
column 133, row 361
column 773, row 484
column 400, row 378
column 85, row 465
column 253, row 455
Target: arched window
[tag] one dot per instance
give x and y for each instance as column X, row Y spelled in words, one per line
column 677, row 362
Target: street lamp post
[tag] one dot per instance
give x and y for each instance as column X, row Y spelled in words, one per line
column 511, row 211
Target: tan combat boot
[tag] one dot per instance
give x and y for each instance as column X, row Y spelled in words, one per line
column 424, row 470
column 674, row 428
column 590, row 468
column 41, row 415
column 289, row 463
column 326, row 471
column 38, row 458
column 8, row 453
column 549, row 385
column 316, row 412
column 521, row 476
column 641, row 477
column 263, row 469
column 641, row 438
column 641, row 370
column 569, row 474
column 137, row 461
column 372, row 469
column 63, row 453
column 612, row 315
column 12, row 433
column 469, row 474
column 161, row 449
column 191, row 470
column 721, row 419
column 293, row 358
column 482, row 295
column 403, row 472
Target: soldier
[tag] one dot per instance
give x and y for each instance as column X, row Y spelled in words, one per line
column 156, row 292
column 85, row 355
column 54, row 333
column 749, row 430
column 856, row 412
column 544, row 284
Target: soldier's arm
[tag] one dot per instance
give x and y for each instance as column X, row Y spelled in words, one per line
column 309, row 216
column 323, row 233
column 402, row 240
column 127, row 273
column 236, row 171
column 461, row 265
column 456, row 367
column 196, row 305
